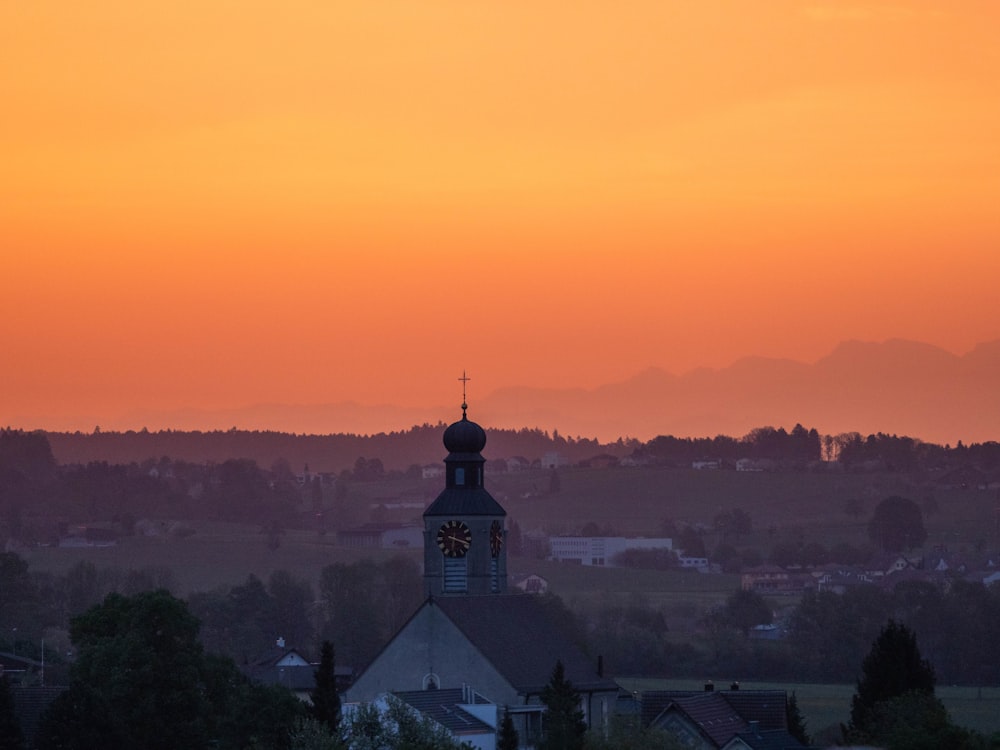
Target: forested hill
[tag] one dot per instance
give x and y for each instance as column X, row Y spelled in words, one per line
column 422, row 445
column 419, row 445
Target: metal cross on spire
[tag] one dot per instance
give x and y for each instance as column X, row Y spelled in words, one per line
column 464, row 380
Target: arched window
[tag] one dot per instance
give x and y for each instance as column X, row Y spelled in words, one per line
column 431, row 682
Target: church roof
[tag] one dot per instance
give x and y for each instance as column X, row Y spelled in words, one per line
column 518, row 637
column 465, row 436
column 465, row 501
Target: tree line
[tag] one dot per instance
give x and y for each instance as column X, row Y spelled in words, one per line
column 420, row 445
column 143, row 679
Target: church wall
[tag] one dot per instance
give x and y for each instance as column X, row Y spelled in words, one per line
column 431, row 644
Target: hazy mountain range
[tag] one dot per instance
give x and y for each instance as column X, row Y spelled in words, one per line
column 897, row 386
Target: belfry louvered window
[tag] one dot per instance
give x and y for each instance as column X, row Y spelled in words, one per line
column 456, row 574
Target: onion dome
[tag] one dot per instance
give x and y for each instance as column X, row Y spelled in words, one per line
column 464, row 436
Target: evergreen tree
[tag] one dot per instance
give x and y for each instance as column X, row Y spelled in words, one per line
column 795, row 721
column 508, row 739
column 10, row 731
column 892, row 668
column 325, row 698
column 563, row 727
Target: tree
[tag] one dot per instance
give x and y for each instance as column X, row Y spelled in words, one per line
column 310, row 734
column 892, row 668
column 10, row 731
column 325, row 698
column 291, row 599
column 743, row 610
column 691, row 543
column 563, row 727
column 736, row 522
column 627, row 733
column 795, row 721
column 897, row 524
column 508, row 739
column 396, row 725
column 555, row 484
column 919, row 721
column 138, row 668
column 141, row 680
column 18, row 594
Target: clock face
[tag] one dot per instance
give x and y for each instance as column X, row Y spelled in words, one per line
column 454, row 538
column 496, row 538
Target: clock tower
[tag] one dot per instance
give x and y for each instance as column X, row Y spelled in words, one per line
column 464, row 530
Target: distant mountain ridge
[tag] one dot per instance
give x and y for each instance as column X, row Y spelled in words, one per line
column 896, row 386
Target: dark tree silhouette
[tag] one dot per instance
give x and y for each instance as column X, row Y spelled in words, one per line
column 508, row 739
column 325, row 698
column 892, row 668
column 563, row 727
column 897, row 524
column 10, row 731
column 142, row 680
column 743, row 610
column 796, row 722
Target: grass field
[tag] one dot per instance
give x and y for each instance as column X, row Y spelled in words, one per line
column 217, row 554
column 826, row 707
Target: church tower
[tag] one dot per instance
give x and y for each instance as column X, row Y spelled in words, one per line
column 464, row 532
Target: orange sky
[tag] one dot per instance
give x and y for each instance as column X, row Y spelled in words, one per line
column 214, row 204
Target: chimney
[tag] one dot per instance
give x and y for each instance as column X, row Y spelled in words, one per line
column 755, row 728
column 280, row 642
column 600, row 666
column 709, row 686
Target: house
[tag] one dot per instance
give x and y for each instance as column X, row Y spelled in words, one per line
column 600, row 461
column 470, row 633
column 462, row 712
column 600, row 550
column 764, row 578
column 992, row 578
column 518, row 463
column 706, row 465
column 888, row 564
column 285, row 667
column 731, row 719
column 531, row 584
column 382, row 536
column 693, row 563
column 90, row 536
column 433, row 471
column 468, row 716
column 554, row 460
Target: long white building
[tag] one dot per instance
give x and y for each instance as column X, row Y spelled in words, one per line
column 600, row 550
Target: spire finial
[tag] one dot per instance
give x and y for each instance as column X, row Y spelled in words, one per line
column 464, row 380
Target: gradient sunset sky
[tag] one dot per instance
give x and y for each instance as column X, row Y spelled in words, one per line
column 213, row 204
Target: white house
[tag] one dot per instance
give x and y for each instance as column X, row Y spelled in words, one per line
column 600, row 550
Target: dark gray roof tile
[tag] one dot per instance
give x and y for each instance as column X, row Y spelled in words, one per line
column 518, row 637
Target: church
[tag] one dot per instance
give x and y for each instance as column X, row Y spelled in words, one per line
column 470, row 634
